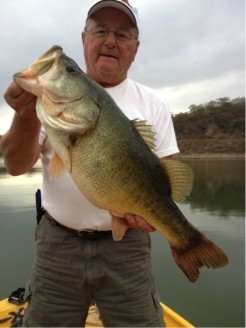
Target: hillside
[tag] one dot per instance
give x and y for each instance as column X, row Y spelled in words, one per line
column 217, row 127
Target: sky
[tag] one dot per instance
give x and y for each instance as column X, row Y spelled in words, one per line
column 191, row 51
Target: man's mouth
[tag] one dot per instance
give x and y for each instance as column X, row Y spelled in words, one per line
column 109, row 56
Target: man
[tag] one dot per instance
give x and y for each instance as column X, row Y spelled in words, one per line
column 76, row 258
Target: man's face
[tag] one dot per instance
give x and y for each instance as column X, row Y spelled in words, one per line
column 108, row 59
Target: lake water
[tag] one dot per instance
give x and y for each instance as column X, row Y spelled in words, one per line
column 216, row 207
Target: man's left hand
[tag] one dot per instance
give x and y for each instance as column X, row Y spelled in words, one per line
column 138, row 222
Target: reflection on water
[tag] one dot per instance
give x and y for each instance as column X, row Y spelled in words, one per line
column 17, row 193
column 218, row 187
column 216, row 300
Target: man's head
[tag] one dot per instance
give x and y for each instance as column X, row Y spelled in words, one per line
column 122, row 5
column 110, row 41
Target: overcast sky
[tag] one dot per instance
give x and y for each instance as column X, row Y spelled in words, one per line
column 191, row 52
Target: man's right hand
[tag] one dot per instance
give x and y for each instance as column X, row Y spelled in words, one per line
column 20, row 144
column 20, row 100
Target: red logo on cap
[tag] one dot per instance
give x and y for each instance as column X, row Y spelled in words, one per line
column 127, row 2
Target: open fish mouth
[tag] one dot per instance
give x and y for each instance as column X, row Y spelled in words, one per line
column 41, row 65
column 44, row 62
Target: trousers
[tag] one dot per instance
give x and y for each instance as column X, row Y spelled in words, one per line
column 70, row 272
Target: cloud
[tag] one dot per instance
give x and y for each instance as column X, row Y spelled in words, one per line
column 190, row 49
column 6, row 115
column 190, row 41
column 195, row 93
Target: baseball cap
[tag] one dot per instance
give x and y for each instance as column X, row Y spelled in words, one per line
column 122, row 5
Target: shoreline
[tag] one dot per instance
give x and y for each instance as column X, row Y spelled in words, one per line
column 229, row 156
column 193, row 156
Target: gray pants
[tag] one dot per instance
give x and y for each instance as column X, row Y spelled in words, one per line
column 69, row 272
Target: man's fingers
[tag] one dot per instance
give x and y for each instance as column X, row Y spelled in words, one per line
column 143, row 225
column 138, row 222
column 20, row 100
column 130, row 218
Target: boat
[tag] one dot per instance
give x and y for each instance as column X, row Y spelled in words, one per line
column 12, row 310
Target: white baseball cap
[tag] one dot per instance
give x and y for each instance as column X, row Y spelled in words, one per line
column 122, row 5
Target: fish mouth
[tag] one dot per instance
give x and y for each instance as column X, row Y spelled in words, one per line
column 44, row 62
column 41, row 65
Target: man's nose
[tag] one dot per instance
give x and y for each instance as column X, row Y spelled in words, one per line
column 110, row 39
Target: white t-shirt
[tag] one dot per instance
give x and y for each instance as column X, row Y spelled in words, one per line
column 62, row 199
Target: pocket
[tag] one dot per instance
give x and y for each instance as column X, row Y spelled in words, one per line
column 160, row 312
column 156, row 298
column 38, row 228
column 28, row 292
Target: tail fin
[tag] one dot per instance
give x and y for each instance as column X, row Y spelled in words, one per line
column 204, row 253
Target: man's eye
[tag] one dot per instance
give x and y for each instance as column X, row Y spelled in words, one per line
column 123, row 35
column 100, row 32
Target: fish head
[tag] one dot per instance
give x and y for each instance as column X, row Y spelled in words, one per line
column 35, row 78
column 64, row 99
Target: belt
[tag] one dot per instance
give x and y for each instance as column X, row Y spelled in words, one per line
column 86, row 234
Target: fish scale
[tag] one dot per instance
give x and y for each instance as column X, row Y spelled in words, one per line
column 115, row 189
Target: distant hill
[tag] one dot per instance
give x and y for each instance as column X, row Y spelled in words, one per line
column 214, row 127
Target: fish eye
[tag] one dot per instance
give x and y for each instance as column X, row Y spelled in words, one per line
column 71, row 69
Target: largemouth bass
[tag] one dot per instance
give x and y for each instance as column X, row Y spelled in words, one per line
column 110, row 160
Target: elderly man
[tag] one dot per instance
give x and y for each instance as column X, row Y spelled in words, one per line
column 76, row 259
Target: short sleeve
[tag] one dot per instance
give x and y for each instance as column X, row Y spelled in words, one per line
column 166, row 143
column 42, row 136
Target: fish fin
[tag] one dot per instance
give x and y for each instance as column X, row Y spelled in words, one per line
column 145, row 130
column 56, row 167
column 203, row 253
column 119, row 227
column 181, row 179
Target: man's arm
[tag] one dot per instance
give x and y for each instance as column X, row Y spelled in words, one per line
column 19, row 145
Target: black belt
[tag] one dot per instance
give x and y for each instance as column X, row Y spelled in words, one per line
column 90, row 234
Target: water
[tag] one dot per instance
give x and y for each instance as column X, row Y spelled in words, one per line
column 216, row 206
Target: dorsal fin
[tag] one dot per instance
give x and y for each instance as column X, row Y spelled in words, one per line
column 181, row 179
column 145, row 130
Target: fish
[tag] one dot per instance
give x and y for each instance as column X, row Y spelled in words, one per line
column 111, row 158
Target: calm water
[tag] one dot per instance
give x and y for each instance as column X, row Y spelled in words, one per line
column 216, row 206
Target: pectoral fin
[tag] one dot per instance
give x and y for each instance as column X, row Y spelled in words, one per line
column 57, row 166
column 119, row 227
column 61, row 161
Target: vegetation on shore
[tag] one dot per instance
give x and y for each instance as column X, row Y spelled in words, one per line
column 216, row 127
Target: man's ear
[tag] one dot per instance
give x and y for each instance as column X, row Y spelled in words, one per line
column 83, row 36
